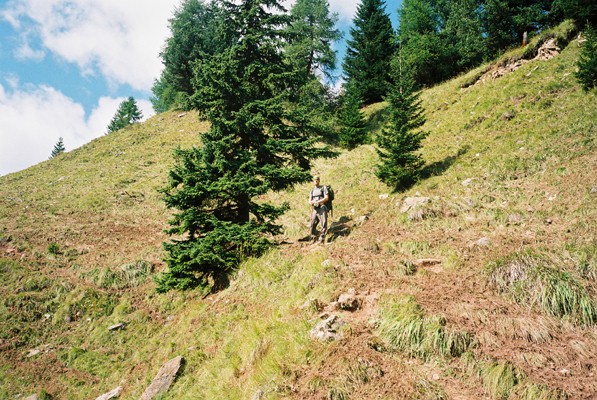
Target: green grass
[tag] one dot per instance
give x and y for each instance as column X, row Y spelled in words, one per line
column 83, row 234
column 403, row 326
column 536, row 279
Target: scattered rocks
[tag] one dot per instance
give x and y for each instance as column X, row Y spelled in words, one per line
column 348, row 301
column 111, row 395
column 328, row 329
column 164, row 379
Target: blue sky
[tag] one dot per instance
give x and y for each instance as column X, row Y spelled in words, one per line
column 65, row 66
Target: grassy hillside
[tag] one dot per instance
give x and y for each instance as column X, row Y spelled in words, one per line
column 487, row 290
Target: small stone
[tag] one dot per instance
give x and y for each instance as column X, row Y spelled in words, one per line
column 348, row 301
column 33, row 353
column 164, row 379
column 467, row 182
column 118, row 326
column 565, row 371
column 111, row 395
column 483, row 242
column 383, row 196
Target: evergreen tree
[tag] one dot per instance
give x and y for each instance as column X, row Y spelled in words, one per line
column 581, row 11
column 369, row 52
column 311, row 35
column 58, row 148
column 463, row 33
column 352, row 122
column 506, row 21
column 197, row 30
column 424, row 53
column 251, row 148
column 587, row 61
column 399, row 142
column 127, row 113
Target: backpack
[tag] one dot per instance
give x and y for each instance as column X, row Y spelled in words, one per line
column 330, row 204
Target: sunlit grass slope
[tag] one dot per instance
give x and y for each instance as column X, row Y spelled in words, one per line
column 511, row 160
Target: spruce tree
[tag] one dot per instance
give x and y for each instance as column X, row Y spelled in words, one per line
column 369, row 51
column 309, row 48
column 197, row 30
column 587, row 60
column 399, row 143
column 352, row 122
column 58, row 148
column 252, row 147
column 127, row 113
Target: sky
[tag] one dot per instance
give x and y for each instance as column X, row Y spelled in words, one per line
column 66, row 65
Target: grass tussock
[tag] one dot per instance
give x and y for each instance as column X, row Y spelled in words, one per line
column 536, row 279
column 353, row 374
column 123, row 277
column 403, row 326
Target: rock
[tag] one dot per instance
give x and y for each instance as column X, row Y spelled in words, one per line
column 483, row 242
column 33, row 397
column 593, row 190
column 118, row 326
column 412, row 202
column 164, row 379
column 33, row 353
column 360, row 220
column 328, row 329
column 348, row 301
column 258, row 395
column 467, row 182
column 111, row 395
column 508, row 115
column 383, row 196
column 514, row 219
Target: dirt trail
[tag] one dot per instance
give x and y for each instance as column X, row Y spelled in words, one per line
column 563, row 358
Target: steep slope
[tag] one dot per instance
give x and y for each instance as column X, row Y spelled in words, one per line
column 485, row 289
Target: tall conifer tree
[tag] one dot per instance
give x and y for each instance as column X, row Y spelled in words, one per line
column 369, row 52
column 399, row 143
column 252, row 147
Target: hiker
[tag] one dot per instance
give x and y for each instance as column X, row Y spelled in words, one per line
column 318, row 198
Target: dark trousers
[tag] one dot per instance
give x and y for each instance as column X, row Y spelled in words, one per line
column 319, row 215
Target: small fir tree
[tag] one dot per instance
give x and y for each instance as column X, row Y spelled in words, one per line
column 352, row 122
column 587, row 60
column 58, row 148
column 127, row 113
column 400, row 141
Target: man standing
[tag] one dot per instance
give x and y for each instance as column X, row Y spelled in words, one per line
column 319, row 211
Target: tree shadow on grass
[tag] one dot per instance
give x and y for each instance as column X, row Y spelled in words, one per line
column 439, row 167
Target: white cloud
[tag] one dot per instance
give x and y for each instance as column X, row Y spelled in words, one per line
column 33, row 118
column 120, row 40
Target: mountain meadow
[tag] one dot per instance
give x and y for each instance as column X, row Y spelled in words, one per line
column 478, row 282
